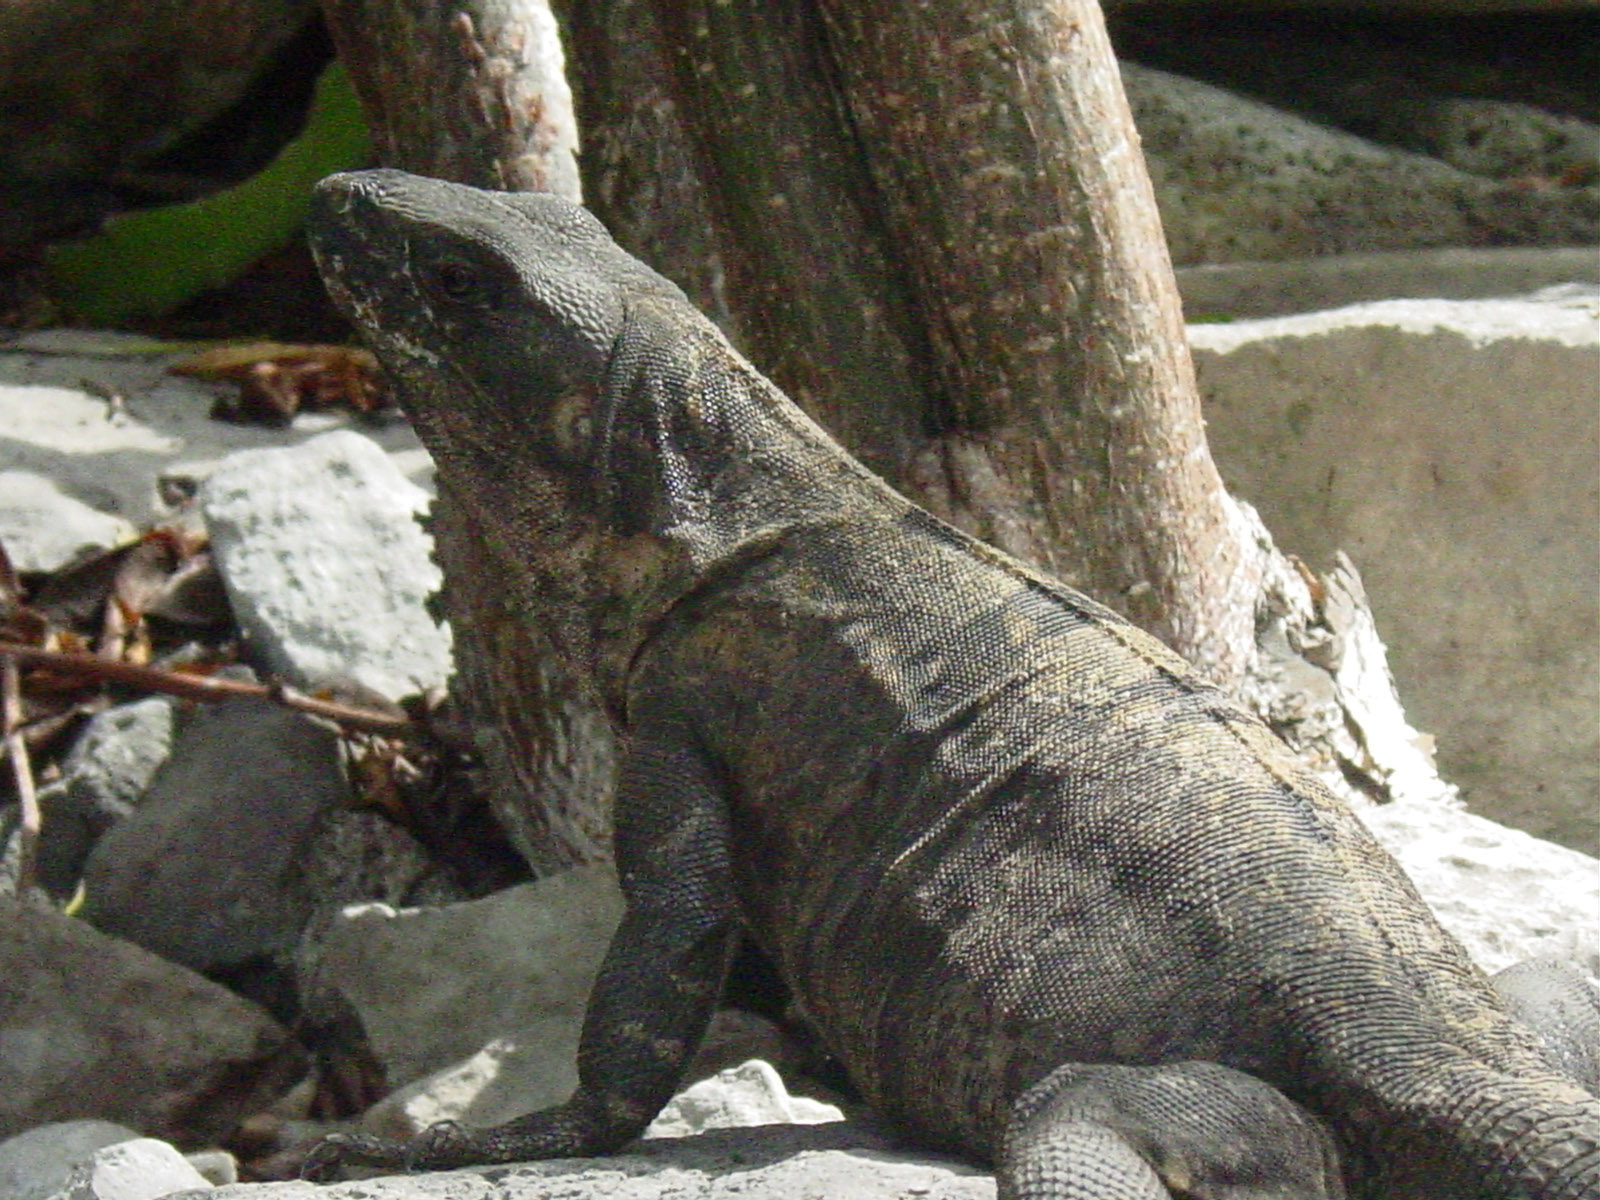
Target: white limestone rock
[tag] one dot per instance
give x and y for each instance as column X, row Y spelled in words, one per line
column 326, row 565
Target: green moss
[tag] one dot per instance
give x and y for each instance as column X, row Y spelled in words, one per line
column 149, row 262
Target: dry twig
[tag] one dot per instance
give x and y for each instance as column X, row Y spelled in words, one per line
column 204, row 688
column 22, row 771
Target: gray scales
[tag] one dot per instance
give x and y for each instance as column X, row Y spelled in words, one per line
column 1053, row 901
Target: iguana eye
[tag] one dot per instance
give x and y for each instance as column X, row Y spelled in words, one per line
column 456, row 280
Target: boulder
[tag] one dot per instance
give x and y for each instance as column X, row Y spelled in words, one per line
column 207, row 871
column 106, row 1030
column 433, row 986
column 1237, row 180
column 1448, row 448
column 101, row 779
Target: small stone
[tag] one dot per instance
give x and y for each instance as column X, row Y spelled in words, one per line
column 37, row 1163
column 141, row 1169
column 43, row 529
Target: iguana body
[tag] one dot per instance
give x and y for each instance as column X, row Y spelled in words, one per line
column 988, row 830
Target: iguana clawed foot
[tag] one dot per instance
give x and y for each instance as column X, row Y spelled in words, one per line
column 440, row 1146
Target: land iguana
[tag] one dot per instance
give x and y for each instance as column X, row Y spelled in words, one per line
column 1053, row 900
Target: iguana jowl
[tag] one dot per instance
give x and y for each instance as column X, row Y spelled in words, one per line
column 1050, row 898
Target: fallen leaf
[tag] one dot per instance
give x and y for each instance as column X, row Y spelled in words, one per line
column 277, row 380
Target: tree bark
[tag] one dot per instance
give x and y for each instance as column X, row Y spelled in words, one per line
column 1014, row 188
column 939, row 237
column 470, row 90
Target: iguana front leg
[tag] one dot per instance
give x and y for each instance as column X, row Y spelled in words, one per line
column 652, row 999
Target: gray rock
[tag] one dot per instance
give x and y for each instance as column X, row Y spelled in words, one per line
column 36, row 1163
column 216, row 1167
column 773, row 1162
column 510, row 1077
column 117, row 753
column 1230, row 291
column 326, row 565
column 105, row 1029
column 206, row 871
column 1448, row 448
column 1238, row 180
column 137, row 460
column 142, row 1169
column 1507, row 895
column 433, row 986
column 749, row 1094
column 44, row 529
column 101, row 779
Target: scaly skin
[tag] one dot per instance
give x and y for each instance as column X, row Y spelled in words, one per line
column 1050, row 898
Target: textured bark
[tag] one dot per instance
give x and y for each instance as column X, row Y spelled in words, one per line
column 1014, row 189
column 544, row 744
column 471, row 91
column 814, row 297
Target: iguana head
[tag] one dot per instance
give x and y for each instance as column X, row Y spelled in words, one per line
column 496, row 317
column 510, row 302
column 611, row 444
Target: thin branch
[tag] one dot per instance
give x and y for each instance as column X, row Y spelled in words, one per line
column 208, row 689
column 22, row 771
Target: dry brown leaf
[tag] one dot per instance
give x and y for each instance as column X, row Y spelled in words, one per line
column 276, row 379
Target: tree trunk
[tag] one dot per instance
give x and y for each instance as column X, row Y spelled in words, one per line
column 933, row 227
column 939, row 237
column 472, row 91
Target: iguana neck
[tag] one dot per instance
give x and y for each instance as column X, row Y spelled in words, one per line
column 701, row 466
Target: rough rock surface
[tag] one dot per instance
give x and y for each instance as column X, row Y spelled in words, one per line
column 137, row 458
column 1236, row 180
column 775, row 1162
column 749, row 1094
column 1507, row 895
column 205, row 871
column 326, row 566
column 37, row 1163
column 141, row 1169
column 435, row 985
column 120, row 81
column 42, row 529
column 101, row 779
column 1448, row 448
column 1231, row 291
column 107, row 1030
